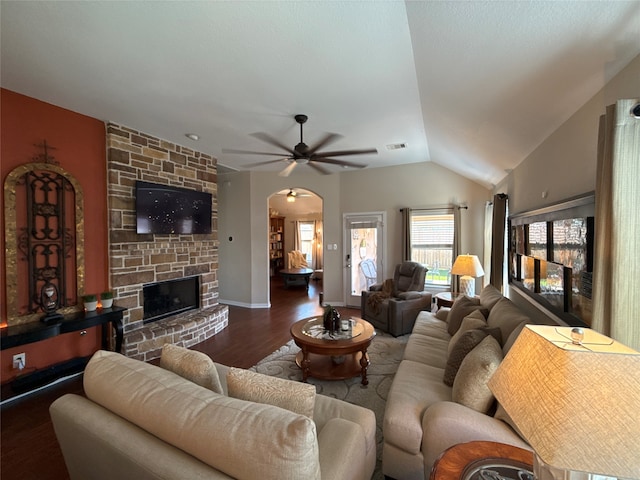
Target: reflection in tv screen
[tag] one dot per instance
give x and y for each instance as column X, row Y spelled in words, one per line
column 165, row 209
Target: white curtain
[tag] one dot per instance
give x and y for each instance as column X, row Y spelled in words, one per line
column 317, row 256
column 488, row 229
column 297, row 245
column 457, row 245
column 616, row 283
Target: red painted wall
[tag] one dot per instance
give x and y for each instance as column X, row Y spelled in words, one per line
column 80, row 149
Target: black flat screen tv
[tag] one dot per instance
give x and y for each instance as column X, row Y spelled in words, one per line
column 166, row 209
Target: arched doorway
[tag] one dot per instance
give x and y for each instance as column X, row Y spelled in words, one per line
column 295, row 223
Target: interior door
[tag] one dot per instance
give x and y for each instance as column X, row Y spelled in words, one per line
column 363, row 247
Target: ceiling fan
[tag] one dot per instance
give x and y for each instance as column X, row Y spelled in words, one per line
column 302, row 154
column 292, row 194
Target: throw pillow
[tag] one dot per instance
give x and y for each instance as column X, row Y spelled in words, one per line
column 252, row 386
column 462, row 307
column 463, row 346
column 470, row 385
column 474, row 320
column 196, row 367
column 489, row 296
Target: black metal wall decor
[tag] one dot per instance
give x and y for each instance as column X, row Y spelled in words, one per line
column 47, row 239
column 44, row 232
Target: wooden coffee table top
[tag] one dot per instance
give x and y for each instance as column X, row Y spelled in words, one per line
column 333, row 358
column 296, row 271
column 341, row 346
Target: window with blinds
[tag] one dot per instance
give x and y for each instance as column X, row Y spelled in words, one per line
column 432, row 234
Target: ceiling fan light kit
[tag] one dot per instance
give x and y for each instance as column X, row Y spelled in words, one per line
column 303, row 154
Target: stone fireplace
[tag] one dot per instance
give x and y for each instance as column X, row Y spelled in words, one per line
column 139, row 260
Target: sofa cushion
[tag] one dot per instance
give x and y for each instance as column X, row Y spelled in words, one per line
column 506, row 316
column 501, row 414
column 426, row 349
column 415, row 387
column 220, row 431
column 429, row 324
column 462, row 307
column 192, row 365
column 489, row 296
column 470, row 385
column 472, row 321
column 296, row 397
column 467, row 342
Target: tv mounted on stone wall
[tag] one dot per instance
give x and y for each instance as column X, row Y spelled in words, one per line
column 165, row 209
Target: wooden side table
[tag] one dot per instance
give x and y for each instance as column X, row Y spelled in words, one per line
column 473, row 460
column 446, row 299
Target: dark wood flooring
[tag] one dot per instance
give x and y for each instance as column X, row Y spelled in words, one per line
column 29, row 449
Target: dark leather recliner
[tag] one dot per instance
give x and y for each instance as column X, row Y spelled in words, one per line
column 397, row 313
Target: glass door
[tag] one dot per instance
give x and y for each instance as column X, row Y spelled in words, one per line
column 363, row 242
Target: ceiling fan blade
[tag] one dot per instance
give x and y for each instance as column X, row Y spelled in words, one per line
column 288, row 170
column 249, row 152
column 339, row 153
column 272, row 141
column 324, row 141
column 343, row 163
column 318, row 168
column 266, row 162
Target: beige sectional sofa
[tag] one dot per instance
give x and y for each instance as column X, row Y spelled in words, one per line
column 424, row 416
column 141, row 421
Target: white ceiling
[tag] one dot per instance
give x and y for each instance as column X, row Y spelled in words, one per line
column 474, row 86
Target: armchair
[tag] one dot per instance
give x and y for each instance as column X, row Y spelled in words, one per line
column 393, row 307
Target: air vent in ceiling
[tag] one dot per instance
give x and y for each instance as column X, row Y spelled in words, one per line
column 396, row 146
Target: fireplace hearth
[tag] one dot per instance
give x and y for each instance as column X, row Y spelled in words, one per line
column 163, row 299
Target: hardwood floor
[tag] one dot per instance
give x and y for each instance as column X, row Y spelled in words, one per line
column 29, row 449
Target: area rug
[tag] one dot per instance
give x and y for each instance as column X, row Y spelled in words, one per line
column 385, row 354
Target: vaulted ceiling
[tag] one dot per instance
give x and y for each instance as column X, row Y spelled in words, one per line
column 474, row 86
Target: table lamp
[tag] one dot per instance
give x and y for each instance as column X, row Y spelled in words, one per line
column 574, row 395
column 469, row 267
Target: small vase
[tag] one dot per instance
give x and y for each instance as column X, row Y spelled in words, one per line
column 90, row 306
column 331, row 320
column 107, row 303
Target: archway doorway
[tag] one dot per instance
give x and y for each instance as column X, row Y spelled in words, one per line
column 295, row 224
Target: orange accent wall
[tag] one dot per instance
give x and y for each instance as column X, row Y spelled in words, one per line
column 48, row 352
column 80, row 148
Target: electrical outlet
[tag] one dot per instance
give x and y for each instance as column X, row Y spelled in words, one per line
column 20, row 361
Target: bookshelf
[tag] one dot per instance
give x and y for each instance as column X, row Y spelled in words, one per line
column 276, row 245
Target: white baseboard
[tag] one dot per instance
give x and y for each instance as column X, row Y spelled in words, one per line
column 243, row 304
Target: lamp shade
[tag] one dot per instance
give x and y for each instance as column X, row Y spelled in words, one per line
column 576, row 402
column 467, row 265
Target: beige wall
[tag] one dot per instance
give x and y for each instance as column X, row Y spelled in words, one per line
column 418, row 185
column 564, row 165
column 243, row 214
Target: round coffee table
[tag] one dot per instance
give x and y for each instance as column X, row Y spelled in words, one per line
column 337, row 358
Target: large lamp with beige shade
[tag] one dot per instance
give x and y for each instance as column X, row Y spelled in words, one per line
column 574, row 395
column 468, row 266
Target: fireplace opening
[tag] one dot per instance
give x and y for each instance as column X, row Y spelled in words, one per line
column 167, row 298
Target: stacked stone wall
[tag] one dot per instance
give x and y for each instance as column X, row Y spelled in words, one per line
column 137, row 259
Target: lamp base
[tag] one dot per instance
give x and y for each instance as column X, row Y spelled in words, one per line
column 544, row 471
column 467, row 286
